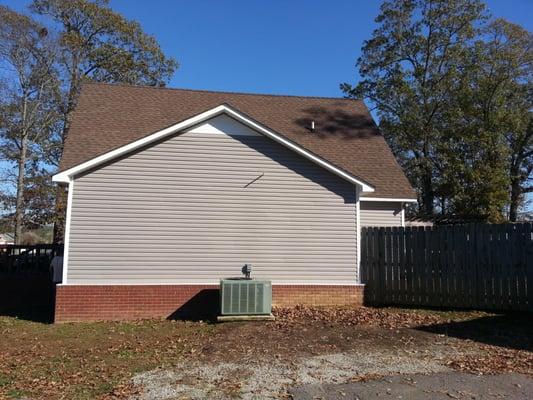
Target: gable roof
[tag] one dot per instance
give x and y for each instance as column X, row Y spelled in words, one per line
column 196, row 120
column 109, row 117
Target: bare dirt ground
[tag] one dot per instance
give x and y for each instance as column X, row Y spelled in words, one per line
column 304, row 346
column 314, row 348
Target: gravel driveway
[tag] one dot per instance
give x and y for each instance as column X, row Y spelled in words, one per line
column 439, row 386
column 269, row 379
column 359, row 354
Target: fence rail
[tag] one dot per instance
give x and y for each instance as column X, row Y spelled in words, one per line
column 28, row 260
column 480, row 266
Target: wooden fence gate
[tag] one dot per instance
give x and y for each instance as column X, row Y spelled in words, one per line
column 479, row 266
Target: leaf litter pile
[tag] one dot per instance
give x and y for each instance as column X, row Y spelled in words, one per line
column 99, row 360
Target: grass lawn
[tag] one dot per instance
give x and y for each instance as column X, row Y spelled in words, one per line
column 98, row 360
column 86, row 360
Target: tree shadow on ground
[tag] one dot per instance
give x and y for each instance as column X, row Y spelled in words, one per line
column 512, row 330
column 339, row 122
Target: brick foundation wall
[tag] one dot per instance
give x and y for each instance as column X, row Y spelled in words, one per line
column 317, row 295
column 129, row 302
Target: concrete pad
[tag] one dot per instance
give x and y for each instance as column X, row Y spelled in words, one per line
column 235, row 318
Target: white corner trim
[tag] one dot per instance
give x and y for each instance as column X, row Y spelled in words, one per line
column 388, row 199
column 66, row 176
column 403, row 215
column 66, row 241
column 358, row 222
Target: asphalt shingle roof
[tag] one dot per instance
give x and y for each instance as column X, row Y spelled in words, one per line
column 110, row 116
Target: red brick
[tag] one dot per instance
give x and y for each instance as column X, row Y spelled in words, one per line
column 128, row 302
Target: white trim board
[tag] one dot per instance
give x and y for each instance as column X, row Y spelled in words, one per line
column 213, row 282
column 388, row 199
column 66, row 243
column 358, row 229
column 67, row 175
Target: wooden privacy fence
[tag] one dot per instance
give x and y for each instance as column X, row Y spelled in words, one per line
column 479, row 266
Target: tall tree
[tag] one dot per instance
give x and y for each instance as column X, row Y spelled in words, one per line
column 520, row 167
column 98, row 44
column 450, row 88
column 510, row 56
column 484, row 148
column 26, row 110
column 408, row 68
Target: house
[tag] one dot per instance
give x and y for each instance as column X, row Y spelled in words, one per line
column 170, row 190
column 7, row 238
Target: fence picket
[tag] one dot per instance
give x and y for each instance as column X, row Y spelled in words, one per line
column 416, row 288
column 381, row 265
column 401, row 265
column 408, row 270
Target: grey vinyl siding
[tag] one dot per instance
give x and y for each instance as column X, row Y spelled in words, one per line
column 376, row 213
column 191, row 210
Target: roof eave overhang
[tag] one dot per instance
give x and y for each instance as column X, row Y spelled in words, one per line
column 390, row 199
column 67, row 175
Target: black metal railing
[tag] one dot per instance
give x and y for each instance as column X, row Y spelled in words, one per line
column 27, row 259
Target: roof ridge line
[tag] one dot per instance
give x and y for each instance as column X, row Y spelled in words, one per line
column 127, row 85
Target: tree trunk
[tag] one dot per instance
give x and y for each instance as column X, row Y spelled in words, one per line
column 19, row 206
column 60, row 214
column 61, row 196
column 428, row 197
column 516, row 194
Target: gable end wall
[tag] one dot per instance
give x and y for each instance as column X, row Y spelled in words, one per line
column 196, row 207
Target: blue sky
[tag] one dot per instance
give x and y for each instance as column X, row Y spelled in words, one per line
column 303, row 47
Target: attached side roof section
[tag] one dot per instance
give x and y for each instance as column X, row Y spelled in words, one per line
column 109, row 117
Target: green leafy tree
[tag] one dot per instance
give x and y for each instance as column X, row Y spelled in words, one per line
column 520, row 167
column 485, row 141
column 408, row 68
column 449, row 88
column 510, row 56
column 488, row 103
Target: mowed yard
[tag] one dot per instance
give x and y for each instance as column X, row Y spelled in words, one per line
column 202, row 359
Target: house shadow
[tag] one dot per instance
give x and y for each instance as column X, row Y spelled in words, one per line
column 42, row 314
column 204, row 306
column 510, row 330
column 299, row 165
